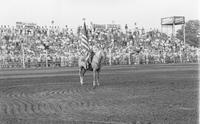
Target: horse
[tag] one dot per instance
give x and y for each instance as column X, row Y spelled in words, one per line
column 98, row 59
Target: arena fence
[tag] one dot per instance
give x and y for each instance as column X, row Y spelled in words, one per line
column 73, row 62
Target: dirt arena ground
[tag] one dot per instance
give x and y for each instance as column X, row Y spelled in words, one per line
column 142, row 94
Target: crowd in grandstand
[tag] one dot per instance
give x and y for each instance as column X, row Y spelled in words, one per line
column 38, row 44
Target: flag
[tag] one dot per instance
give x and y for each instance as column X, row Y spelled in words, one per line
column 85, row 32
column 84, row 38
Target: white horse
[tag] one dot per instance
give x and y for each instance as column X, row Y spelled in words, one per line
column 96, row 65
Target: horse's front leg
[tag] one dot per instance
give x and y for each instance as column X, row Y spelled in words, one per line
column 94, row 77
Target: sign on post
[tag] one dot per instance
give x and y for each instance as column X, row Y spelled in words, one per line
column 175, row 20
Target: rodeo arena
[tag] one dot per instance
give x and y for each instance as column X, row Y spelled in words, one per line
column 97, row 74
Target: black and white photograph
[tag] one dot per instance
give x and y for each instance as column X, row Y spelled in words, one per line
column 99, row 61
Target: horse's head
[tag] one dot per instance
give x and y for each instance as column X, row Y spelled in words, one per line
column 100, row 55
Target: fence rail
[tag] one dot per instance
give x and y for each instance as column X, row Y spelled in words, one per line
column 114, row 61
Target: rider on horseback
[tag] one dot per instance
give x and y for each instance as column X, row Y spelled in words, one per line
column 89, row 58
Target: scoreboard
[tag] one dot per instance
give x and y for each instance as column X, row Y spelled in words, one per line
column 175, row 20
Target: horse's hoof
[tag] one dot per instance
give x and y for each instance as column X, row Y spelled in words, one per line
column 94, row 86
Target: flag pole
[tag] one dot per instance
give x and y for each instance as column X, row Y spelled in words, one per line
column 84, row 27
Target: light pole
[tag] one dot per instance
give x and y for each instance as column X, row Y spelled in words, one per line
column 198, row 50
column 22, row 40
column 4, row 51
column 46, row 54
column 83, row 19
column 23, row 58
column 52, row 24
column 184, row 34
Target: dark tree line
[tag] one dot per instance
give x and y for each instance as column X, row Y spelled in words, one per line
column 192, row 33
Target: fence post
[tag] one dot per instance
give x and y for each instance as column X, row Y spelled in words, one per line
column 180, row 56
column 198, row 55
column 129, row 58
column 129, row 54
column 46, row 58
column 110, row 57
column 23, row 61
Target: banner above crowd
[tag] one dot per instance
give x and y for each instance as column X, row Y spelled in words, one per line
column 113, row 26
column 99, row 26
column 25, row 25
column 106, row 26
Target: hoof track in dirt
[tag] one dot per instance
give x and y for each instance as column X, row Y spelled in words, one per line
column 41, row 104
column 157, row 94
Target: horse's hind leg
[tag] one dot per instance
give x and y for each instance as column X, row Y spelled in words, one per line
column 98, row 78
column 81, row 74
